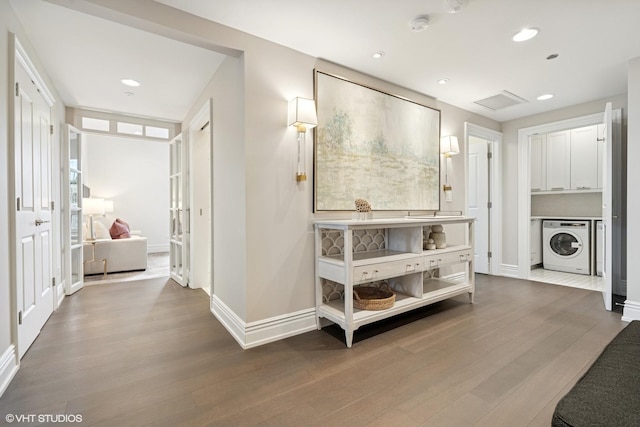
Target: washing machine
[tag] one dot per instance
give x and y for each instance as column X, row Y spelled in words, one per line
column 566, row 246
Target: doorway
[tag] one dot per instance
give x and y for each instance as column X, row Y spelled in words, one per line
column 484, row 202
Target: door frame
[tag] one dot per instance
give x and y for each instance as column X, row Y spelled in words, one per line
column 495, row 178
column 524, row 178
column 203, row 118
column 17, row 54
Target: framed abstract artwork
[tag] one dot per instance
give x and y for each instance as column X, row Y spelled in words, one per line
column 376, row 146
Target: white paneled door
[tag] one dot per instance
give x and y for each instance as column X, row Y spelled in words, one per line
column 33, row 239
column 478, row 200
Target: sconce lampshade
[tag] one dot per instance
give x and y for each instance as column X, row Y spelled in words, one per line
column 302, row 112
column 92, row 206
column 449, row 146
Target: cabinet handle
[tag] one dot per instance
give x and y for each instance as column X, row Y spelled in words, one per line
column 583, row 188
column 536, row 189
column 557, row 188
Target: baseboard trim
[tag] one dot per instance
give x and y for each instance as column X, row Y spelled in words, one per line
column 631, row 311
column 8, row 367
column 280, row 327
column 254, row 334
column 509, row 270
column 153, row 249
column 456, row 277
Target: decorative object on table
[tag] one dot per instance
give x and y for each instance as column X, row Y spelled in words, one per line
column 372, row 144
column 373, row 298
column 362, row 205
column 430, row 244
column 438, row 236
column 363, row 210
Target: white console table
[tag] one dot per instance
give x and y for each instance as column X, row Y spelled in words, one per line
column 357, row 252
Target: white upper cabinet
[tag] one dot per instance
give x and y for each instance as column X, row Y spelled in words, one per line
column 584, row 158
column 537, row 155
column 558, row 161
column 567, row 161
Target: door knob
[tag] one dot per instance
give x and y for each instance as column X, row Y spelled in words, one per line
column 39, row 222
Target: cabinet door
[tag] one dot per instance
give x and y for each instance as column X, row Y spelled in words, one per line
column 584, row 158
column 558, row 161
column 537, row 155
column 536, row 241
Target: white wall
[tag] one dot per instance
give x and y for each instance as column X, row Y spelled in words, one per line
column 263, row 220
column 135, row 175
column 632, row 305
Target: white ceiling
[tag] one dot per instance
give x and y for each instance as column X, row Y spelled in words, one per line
column 473, row 48
column 86, row 57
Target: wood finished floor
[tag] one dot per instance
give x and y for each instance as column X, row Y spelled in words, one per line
column 151, row 353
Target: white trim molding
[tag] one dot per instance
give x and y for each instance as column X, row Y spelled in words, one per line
column 631, row 311
column 8, row 367
column 509, row 270
column 153, row 249
column 254, row 334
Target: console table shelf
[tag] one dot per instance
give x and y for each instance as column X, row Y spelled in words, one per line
column 391, row 250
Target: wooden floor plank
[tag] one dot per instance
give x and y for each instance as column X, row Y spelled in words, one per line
column 151, row 353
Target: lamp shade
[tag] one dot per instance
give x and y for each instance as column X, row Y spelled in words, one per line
column 449, row 145
column 92, row 206
column 302, row 112
column 108, row 206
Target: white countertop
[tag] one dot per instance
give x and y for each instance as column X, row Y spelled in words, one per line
column 570, row 218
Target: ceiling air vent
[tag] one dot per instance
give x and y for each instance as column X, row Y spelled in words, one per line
column 502, row 100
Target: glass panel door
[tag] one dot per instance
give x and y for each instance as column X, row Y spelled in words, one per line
column 73, row 271
column 176, row 211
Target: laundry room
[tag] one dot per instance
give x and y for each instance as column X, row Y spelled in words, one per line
column 567, row 177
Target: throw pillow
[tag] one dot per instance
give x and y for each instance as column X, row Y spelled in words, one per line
column 119, row 229
column 100, row 230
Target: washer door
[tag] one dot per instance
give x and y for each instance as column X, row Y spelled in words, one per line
column 565, row 245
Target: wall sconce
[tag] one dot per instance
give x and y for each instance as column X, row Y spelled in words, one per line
column 91, row 207
column 302, row 115
column 448, row 147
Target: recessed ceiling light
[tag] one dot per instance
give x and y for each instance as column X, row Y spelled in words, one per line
column 419, row 23
column 545, row 97
column 443, row 81
column 552, row 56
column 130, row 82
column 377, row 55
column 129, row 93
column 525, row 34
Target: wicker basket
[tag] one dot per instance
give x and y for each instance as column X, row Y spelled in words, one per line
column 370, row 298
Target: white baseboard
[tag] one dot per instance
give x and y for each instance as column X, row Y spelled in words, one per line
column 631, row 311
column 261, row 332
column 456, row 277
column 508, row 270
column 153, row 249
column 8, row 367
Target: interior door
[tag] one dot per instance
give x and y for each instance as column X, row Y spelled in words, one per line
column 33, row 239
column 72, row 190
column 176, row 211
column 478, row 200
column 607, row 205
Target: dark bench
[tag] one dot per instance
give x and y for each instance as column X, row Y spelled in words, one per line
column 608, row 394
